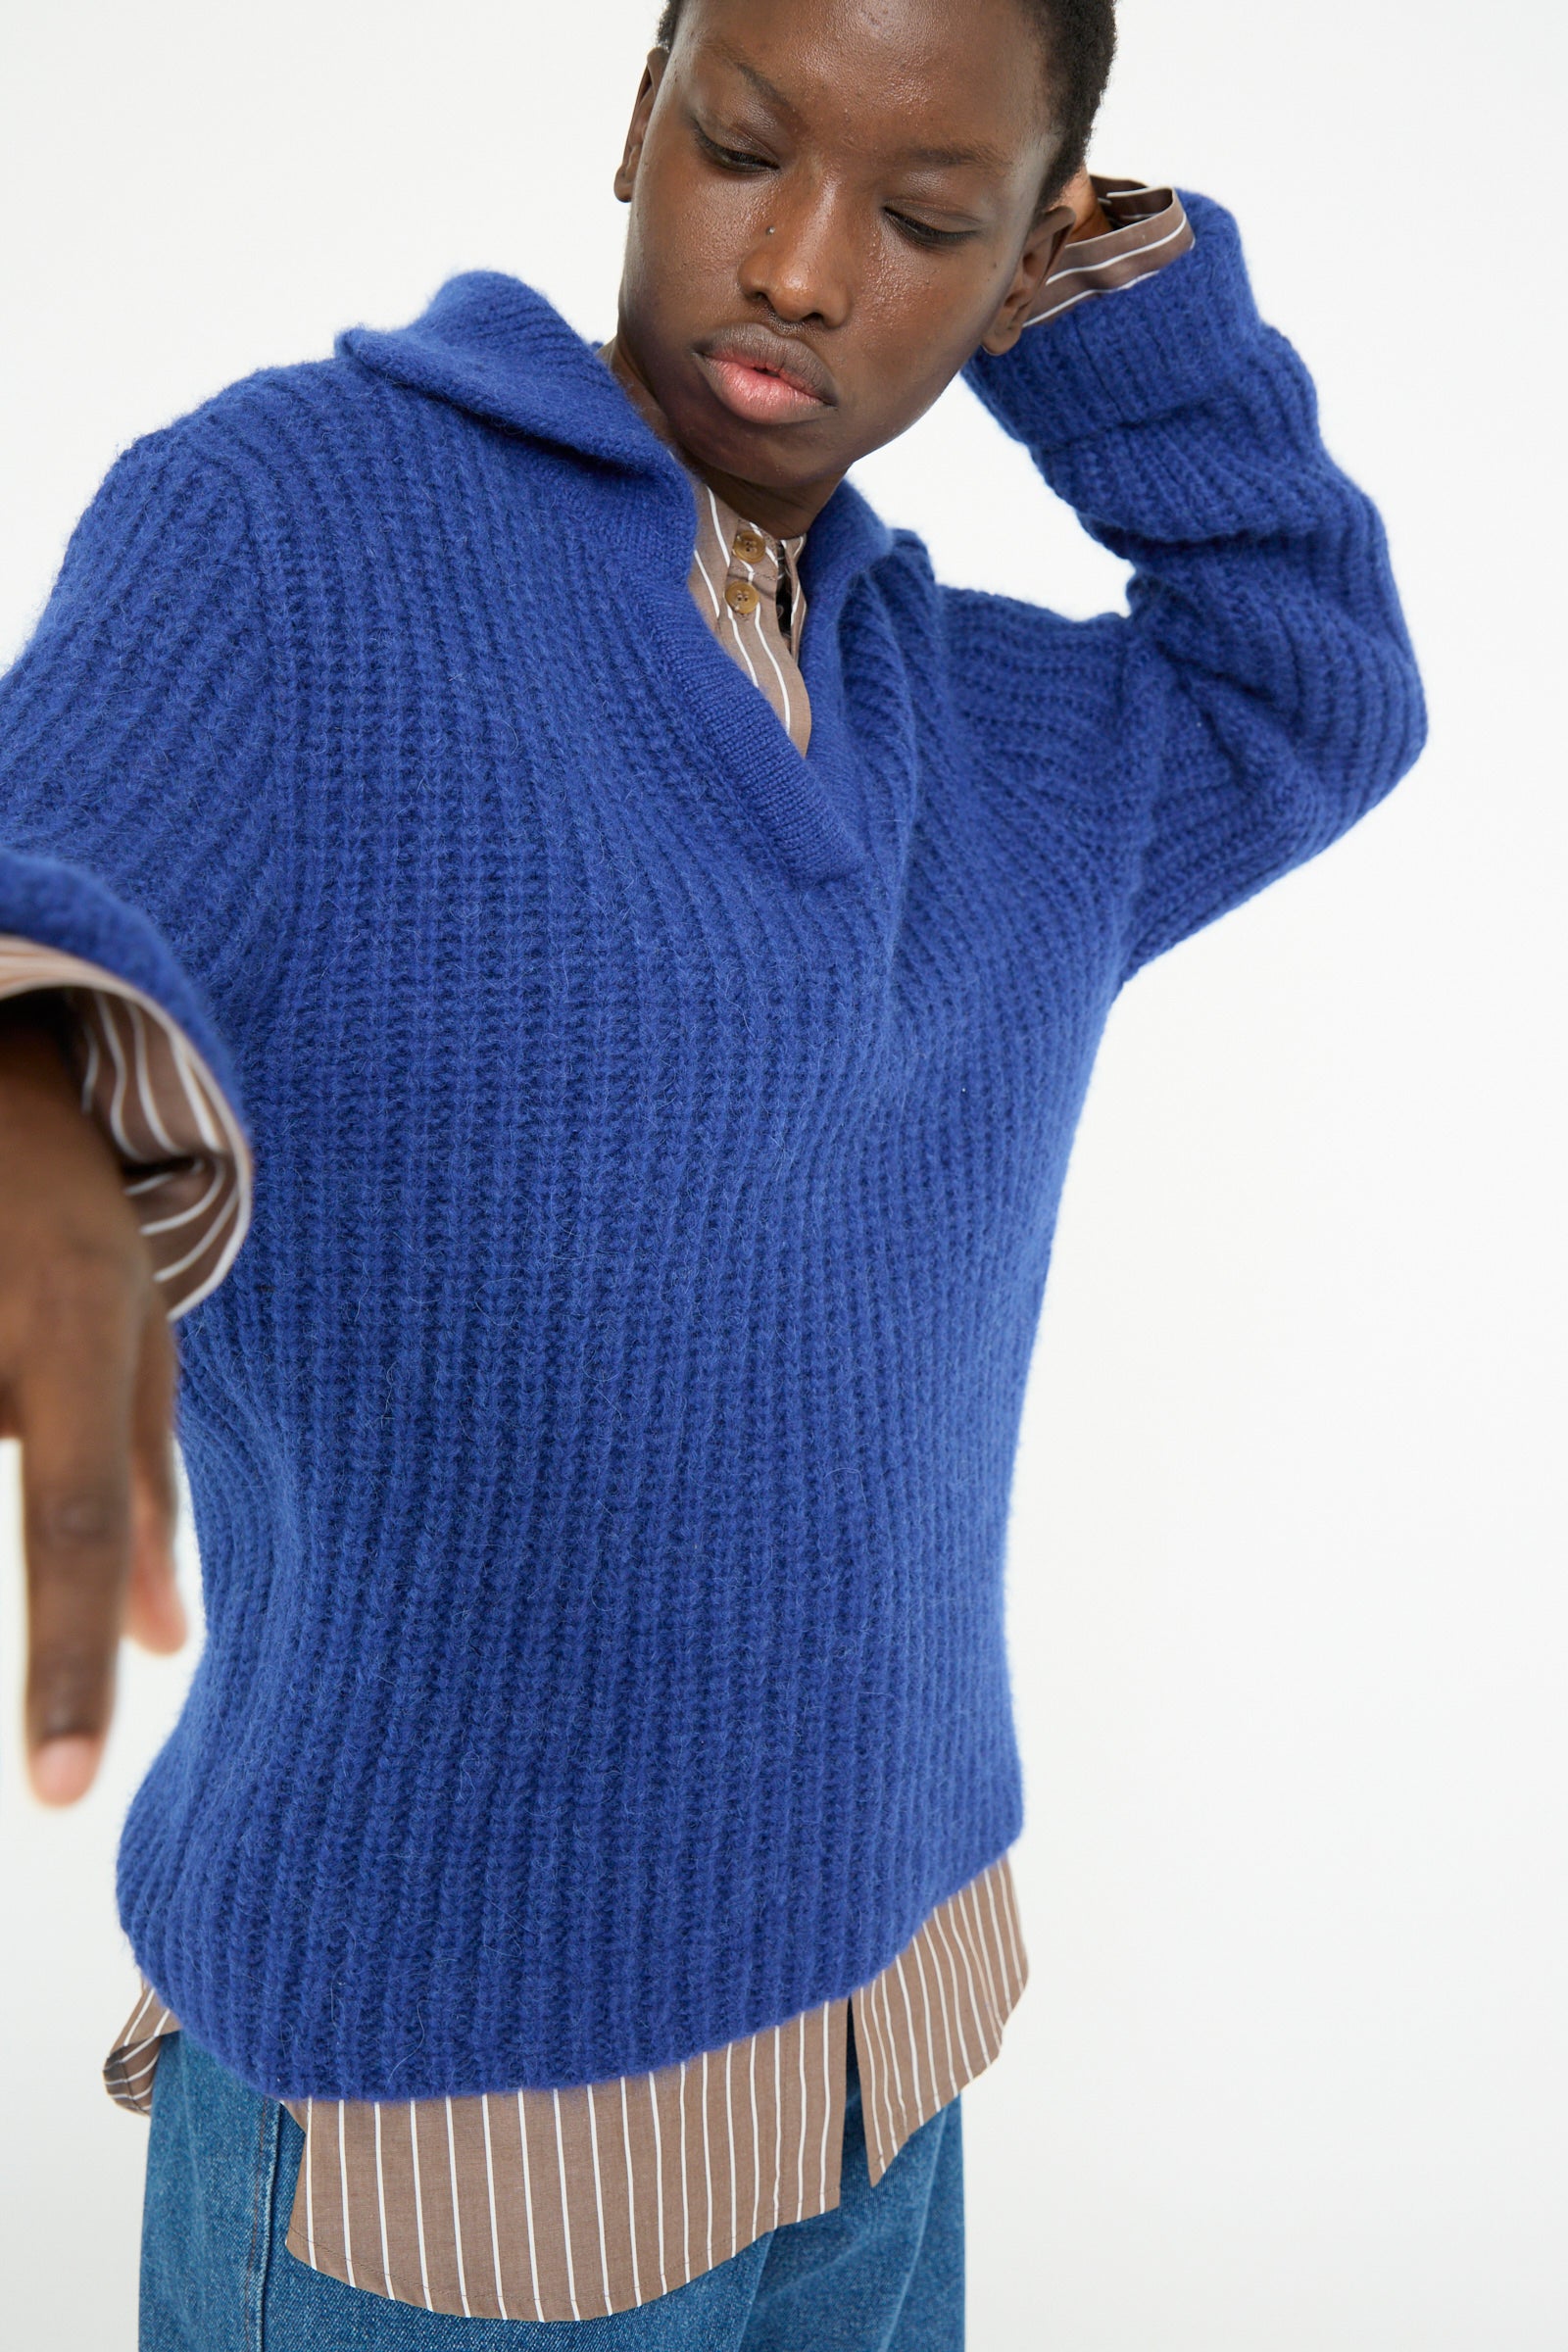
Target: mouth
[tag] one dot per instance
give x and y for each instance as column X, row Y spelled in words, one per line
column 764, row 380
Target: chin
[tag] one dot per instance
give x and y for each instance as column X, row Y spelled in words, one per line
column 779, row 457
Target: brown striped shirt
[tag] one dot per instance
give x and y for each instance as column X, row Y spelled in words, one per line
column 591, row 2198
column 574, row 2203
column 1148, row 229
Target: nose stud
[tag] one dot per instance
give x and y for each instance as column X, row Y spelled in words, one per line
column 767, row 233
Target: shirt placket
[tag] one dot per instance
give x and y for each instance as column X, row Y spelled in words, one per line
column 755, row 564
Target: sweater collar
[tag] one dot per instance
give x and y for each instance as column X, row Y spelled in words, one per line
column 499, row 349
column 496, row 349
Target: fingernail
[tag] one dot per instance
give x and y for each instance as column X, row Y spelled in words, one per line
column 63, row 1770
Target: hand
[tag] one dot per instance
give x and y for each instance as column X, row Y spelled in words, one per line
column 87, row 1372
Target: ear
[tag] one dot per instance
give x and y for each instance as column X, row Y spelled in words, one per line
column 637, row 129
column 1044, row 242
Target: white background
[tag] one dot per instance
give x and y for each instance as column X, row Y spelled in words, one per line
column 1288, row 1568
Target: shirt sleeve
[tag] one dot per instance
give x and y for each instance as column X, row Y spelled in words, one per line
column 181, row 1147
column 1148, row 231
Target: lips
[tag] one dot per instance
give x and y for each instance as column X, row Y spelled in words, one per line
column 764, row 378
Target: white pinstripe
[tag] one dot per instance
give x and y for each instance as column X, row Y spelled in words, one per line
column 457, row 2219
column 719, row 609
column 756, row 2153
column 973, row 1900
column 129, row 2075
column 419, row 2202
column 200, row 1092
column 874, row 2070
column 117, row 1101
column 168, row 1224
column 343, row 2191
column 779, row 2129
column 799, row 2154
column 735, row 627
column 380, row 2207
column 1003, row 1955
column 884, row 1998
column 527, row 2199
column 707, row 2169
column 145, row 1096
column 1136, row 253
column 92, row 1065
column 168, row 1273
column 947, row 2017
column 685, row 2215
column 974, row 2001
column 827, row 2102
column 490, row 2185
column 658, row 2172
column 599, row 2200
column 1021, row 1966
column 925, row 2010
column 631, row 2194
column 914, row 2055
column 762, row 639
column 729, row 2126
column 309, row 2182
column 141, row 2009
column 566, row 2210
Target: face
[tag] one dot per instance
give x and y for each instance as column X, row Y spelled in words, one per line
column 833, row 205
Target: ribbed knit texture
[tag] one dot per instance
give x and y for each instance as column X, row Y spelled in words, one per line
column 601, row 1450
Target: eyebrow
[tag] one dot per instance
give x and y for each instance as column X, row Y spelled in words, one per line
column 928, row 159
column 952, row 158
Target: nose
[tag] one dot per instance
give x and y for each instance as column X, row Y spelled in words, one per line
column 800, row 258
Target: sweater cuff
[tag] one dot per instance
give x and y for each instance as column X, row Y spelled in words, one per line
column 170, row 1124
column 1169, row 339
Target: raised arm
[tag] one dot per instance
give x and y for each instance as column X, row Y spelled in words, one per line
column 1265, row 674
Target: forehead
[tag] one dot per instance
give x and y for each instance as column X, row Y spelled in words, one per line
column 938, row 80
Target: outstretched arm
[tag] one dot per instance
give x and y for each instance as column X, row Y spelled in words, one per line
column 135, row 832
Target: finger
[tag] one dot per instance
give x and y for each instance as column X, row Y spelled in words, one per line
column 154, row 1614
column 76, row 1411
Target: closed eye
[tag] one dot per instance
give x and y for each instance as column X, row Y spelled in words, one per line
column 733, row 159
column 922, row 233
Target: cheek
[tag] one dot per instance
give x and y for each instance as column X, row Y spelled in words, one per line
column 918, row 324
column 687, row 234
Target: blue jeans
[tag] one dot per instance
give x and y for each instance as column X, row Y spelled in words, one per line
column 883, row 2272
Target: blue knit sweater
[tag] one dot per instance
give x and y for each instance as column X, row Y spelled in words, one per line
column 601, row 1448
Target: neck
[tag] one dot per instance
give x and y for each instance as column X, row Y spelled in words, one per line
column 785, row 514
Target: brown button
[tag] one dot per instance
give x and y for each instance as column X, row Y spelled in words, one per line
column 741, row 595
column 750, row 546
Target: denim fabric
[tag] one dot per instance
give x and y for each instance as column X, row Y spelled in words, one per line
column 883, row 2272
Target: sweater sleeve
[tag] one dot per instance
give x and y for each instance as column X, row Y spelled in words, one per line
column 137, row 835
column 1264, row 657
